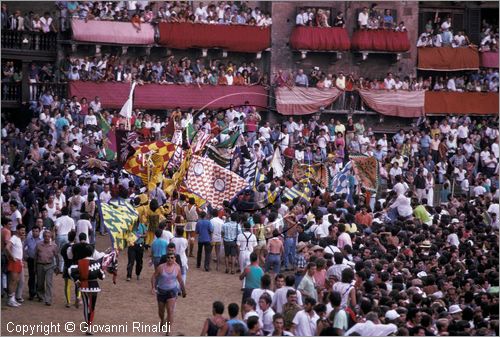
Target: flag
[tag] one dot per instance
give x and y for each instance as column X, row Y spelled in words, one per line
column 340, row 181
column 170, row 185
column 302, row 190
column 136, row 164
column 212, row 182
column 221, row 156
column 318, row 173
column 190, row 132
column 126, row 110
column 182, row 190
column 249, row 170
column 119, row 217
column 200, row 140
column 277, row 164
column 230, row 142
column 366, row 170
column 102, row 124
column 109, row 146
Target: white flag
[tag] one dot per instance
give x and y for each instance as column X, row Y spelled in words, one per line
column 126, row 110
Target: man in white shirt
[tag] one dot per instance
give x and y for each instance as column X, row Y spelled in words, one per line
column 363, row 18
column 389, row 82
column 265, row 284
column 305, row 321
column 299, row 20
column 451, row 84
column 14, row 251
column 246, row 243
column 372, row 327
column 402, row 205
column 63, row 224
column 15, row 216
column 96, row 104
column 217, row 235
column 83, row 226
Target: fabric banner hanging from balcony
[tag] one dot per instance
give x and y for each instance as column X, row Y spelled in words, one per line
column 380, row 40
column 489, row 59
column 395, row 103
column 302, row 101
column 320, row 38
column 236, row 38
column 112, row 32
column 474, row 103
column 155, row 96
column 448, row 58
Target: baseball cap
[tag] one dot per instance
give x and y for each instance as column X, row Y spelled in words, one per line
column 392, row 315
column 454, row 309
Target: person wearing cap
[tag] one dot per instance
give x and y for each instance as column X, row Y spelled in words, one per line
column 300, row 262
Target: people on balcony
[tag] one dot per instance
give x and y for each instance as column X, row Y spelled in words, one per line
column 313, row 17
column 339, row 20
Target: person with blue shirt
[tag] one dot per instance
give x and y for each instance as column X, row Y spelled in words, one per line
column 135, row 251
column 425, row 143
column 158, row 248
column 204, row 230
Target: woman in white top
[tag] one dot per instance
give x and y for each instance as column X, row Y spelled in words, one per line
column 429, row 186
column 346, row 289
column 52, row 208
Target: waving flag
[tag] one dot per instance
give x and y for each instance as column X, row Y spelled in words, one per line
column 366, row 170
column 301, row 190
column 126, row 110
column 137, row 164
column 340, row 181
column 318, row 173
column 119, row 217
column 212, row 182
column 221, row 156
column 200, row 140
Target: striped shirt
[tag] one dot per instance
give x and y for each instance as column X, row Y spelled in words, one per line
column 230, row 231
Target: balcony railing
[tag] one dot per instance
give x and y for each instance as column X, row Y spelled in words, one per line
column 37, row 89
column 29, row 40
column 11, row 92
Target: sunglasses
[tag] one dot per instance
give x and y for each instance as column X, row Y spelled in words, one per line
column 171, row 257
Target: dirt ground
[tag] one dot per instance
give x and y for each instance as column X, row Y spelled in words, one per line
column 127, row 302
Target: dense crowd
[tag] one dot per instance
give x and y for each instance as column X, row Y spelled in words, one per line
column 483, row 80
column 173, row 71
column 441, row 34
column 32, row 22
column 137, row 12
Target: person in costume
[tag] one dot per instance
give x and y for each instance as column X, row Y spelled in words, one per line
column 154, row 215
column 86, row 273
column 191, row 211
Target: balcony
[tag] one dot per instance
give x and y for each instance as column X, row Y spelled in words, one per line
column 29, row 44
column 448, row 58
column 235, row 38
column 380, row 41
column 320, row 39
column 14, row 94
column 158, row 96
column 11, row 93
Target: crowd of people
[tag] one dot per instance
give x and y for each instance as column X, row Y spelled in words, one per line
column 29, row 22
column 138, row 12
column 483, row 80
column 374, row 18
column 420, row 256
column 111, row 68
column 441, row 34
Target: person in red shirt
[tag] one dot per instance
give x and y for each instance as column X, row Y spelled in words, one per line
column 363, row 217
column 289, row 154
column 349, row 92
